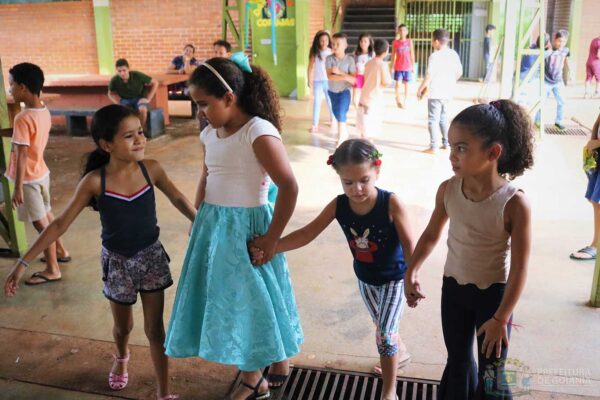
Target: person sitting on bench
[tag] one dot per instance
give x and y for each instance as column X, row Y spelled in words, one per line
column 128, row 87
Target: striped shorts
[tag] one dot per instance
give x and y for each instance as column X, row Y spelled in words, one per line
column 385, row 304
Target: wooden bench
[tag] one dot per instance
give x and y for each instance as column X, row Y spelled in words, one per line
column 76, row 119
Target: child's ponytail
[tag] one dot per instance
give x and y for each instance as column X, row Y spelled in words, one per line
column 506, row 123
column 260, row 97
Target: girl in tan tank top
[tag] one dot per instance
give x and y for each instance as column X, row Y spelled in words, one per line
column 488, row 246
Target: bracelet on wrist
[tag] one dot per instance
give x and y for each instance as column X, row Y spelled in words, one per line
column 502, row 322
column 21, row 261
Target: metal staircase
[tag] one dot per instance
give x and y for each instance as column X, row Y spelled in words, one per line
column 379, row 22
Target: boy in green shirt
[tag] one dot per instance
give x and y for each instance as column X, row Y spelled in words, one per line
column 128, row 88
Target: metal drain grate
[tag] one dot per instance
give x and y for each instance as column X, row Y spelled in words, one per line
column 328, row 384
column 569, row 131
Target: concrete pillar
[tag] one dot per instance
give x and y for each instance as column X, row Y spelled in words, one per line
column 575, row 27
column 104, row 42
column 511, row 20
column 302, row 48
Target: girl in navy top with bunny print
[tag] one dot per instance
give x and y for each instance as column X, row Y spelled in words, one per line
column 376, row 226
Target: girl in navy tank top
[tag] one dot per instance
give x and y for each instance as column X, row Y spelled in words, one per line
column 378, row 233
column 119, row 183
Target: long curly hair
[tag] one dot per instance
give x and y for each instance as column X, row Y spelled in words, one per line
column 506, row 123
column 255, row 91
column 315, row 49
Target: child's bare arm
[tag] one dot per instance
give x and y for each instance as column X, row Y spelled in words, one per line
column 518, row 214
column 87, row 188
column 399, row 216
column 21, row 153
column 272, row 156
column 201, row 188
column 167, row 186
column 114, row 97
column 308, row 233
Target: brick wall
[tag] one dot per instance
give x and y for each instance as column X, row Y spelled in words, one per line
column 590, row 29
column 316, row 15
column 149, row 33
column 60, row 37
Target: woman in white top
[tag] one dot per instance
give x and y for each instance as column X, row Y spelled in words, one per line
column 363, row 53
column 317, row 76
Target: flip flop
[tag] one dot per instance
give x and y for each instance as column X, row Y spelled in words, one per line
column 401, row 363
column 61, row 259
column 590, row 251
column 44, row 279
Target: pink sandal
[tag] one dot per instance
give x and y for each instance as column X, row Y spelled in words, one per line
column 116, row 381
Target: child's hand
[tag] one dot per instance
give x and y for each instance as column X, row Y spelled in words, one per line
column 267, row 245
column 412, row 290
column 495, row 334
column 336, row 71
column 256, row 254
column 11, row 284
column 17, row 199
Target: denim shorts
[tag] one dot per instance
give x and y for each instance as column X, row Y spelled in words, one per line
column 405, row 76
column 133, row 103
column 146, row 271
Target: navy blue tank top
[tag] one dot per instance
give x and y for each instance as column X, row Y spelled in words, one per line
column 128, row 222
column 373, row 240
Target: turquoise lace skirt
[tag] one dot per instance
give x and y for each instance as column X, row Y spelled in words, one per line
column 226, row 310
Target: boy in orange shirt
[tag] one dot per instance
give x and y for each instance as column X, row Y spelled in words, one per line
column 27, row 168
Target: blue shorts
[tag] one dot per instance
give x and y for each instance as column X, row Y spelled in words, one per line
column 340, row 102
column 133, row 103
column 405, row 76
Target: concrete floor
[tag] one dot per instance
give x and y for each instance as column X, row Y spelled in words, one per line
column 558, row 344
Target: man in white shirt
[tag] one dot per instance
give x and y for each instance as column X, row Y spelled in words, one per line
column 443, row 70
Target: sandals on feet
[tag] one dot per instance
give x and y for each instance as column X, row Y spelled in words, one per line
column 116, row 381
column 255, row 393
column 276, row 380
column 589, row 253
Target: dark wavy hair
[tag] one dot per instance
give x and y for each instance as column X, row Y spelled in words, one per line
column 105, row 125
column 506, row 123
column 315, row 50
column 255, row 92
column 354, row 151
column 358, row 51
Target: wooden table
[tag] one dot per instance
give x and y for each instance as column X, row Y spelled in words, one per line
column 90, row 91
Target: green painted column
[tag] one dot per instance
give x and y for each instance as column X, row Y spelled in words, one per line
column 400, row 12
column 595, row 297
column 11, row 229
column 104, row 43
column 327, row 16
column 302, row 47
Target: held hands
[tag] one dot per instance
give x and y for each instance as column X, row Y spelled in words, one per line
column 262, row 249
column 412, row 290
column 11, row 284
column 495, row 334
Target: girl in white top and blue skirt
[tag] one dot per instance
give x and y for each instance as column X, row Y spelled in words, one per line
column 226, row 310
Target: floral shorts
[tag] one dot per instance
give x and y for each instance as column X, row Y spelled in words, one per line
column 146, row 271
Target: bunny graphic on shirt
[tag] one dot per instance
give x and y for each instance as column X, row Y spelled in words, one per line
column 363, row 248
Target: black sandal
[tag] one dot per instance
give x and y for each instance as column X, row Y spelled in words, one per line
column 256, row 395
column 276, row 381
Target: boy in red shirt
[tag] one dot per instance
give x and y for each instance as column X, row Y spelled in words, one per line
column 27, row 168
column 402, row 62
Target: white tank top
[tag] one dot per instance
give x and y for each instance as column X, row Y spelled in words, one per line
column 235, row 177
column 320, row 73
column 478, row 244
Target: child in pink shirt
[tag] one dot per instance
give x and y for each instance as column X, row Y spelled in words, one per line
column 403, row 59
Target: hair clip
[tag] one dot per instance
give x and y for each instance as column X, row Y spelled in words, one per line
column 376, row 155
column 241, row 60
column 496, row 104
column 330, row 160
column 377, row 162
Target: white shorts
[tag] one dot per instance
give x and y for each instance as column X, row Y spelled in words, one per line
column 36, row 201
